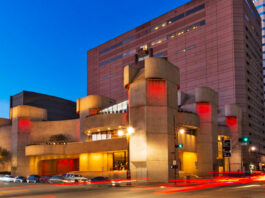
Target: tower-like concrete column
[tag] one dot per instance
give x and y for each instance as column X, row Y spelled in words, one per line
column 234, row 122
column 152, row 110
column 206, row 138
column 22, row 117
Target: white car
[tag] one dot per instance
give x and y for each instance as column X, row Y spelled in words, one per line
column 7, row 178
column 76, row 178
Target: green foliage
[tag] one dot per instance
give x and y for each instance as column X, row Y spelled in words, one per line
column 58, row 139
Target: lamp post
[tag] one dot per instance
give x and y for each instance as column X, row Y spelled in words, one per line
column 251, row 150
column 130, row 131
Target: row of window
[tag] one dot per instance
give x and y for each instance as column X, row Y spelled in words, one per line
column 185, row 49
column 117, row 57
column 118, row 44
column 180, row 16
column 178, row 33
column 187, row 13
column 120, row 107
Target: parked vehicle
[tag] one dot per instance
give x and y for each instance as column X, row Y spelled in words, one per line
column 99, row 179
column 60, row 179
column 7, row 178
column 76, row 178
column 44, row 179
column 20, row 179
column 33, row 179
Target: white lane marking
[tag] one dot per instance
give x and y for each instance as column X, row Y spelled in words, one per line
column 248, row 186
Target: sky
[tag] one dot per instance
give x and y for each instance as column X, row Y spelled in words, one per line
column 43, row 43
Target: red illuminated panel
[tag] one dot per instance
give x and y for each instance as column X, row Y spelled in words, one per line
column 93, row 111
column 156, row 92
column 24, row 125
column 66, row 165
column 204, row 110
column 231, row 122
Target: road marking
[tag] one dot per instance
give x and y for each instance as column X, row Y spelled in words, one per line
column 248, row 186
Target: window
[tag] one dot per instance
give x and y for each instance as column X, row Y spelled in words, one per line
column 117, row 57
column 160, row 40
column 186, row 49
column 178, row 33
column 125, row 41
column 178, row 17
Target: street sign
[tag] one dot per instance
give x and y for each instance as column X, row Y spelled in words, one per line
column 227, row 148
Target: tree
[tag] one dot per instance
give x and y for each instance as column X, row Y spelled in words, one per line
column 58, row 139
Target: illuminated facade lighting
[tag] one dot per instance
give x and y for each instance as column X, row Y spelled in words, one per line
column 182, row 131
column 120, row 133
column 130, row 130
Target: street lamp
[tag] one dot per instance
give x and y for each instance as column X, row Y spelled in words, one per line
column 182, row 131
column 253, row 148
column 120, row 133
column 130, row 131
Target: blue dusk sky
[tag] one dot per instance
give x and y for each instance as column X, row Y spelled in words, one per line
column 43, row 43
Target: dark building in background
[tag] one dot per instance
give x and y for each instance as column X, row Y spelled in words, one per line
column 57, row 108
column 214, row 43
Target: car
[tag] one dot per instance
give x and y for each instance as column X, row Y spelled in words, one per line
column 33, row 179
column 99, row 179
column 76, row 178
column 44, row 179
column 20, row 179
column 60, row 179
column 7, row 178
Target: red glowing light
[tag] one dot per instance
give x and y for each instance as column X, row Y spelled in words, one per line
column 93, row 111
column 231, row 121
column 203, row 108
column 156, row 91
column 24, row 124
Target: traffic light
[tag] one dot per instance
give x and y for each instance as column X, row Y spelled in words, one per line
column 244, row 140
column 179, row 145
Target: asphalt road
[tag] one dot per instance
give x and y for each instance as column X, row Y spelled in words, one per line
column 246, row 190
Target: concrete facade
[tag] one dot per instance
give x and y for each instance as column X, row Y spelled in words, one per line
column 99, row 141
column 214, row 43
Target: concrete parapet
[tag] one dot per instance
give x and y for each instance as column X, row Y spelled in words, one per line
column 190, row 120
column 77, row 147
column 128, row 75
column 233, row 110
column 206, row 94
column 83, row 105
column 25, row 111
column 104, row 121
column 161, row 68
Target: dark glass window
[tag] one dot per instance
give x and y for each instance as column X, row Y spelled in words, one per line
column 161, row 54
column 175, row 18
column 125, row 41
column 196, row 9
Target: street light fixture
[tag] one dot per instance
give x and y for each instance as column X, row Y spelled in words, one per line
column 130, row 130
column 120, row 133
column 182, row 131
column 253, row 148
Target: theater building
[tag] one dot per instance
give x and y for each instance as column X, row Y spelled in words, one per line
column 142, row 134
column 162, row 99
column 214, row 43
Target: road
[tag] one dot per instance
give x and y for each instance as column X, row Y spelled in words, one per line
column 136, row 190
